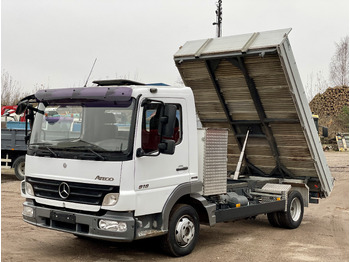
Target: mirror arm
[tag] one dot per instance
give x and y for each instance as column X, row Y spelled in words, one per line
column 140, row 153
column 26, row 125
column 37, row 110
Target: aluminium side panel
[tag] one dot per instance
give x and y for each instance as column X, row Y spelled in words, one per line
column 213, row 160
column 289, row 66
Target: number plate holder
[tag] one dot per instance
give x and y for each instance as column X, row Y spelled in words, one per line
column 63, row 217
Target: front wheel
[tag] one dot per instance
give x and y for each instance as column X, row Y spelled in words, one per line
column 183, row 231
column 19, row 166
column 295, row 211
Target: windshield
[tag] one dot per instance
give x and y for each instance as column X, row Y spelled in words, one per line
column 100, row 129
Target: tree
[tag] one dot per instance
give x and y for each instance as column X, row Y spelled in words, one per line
column 10, row 90
column 312, row 88
column 344, row 117
column 339, row 66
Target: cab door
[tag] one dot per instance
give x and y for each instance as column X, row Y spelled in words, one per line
column 158, row 174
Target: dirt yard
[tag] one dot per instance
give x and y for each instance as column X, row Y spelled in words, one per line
column 322, row 236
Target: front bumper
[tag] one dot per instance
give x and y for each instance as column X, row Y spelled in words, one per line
column 81, row 224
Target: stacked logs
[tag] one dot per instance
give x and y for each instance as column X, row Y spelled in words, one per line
column 331, row 102
column 329, row 106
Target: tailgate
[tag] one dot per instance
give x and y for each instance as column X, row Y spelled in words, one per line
column 251, row 82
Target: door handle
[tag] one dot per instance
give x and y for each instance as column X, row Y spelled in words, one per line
column 180, row 168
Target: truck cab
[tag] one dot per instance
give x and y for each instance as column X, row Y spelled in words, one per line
column 118, row 168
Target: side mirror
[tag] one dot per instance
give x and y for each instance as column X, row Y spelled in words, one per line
column 22, row 106
column 167, row 147
column 140, row 152
column 167, row 121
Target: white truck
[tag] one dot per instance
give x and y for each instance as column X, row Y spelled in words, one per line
column 137, row 166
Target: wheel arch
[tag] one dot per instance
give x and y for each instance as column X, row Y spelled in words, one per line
column 185, row 194
column 303, row 189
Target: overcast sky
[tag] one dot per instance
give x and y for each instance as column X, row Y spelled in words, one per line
column 55, row 42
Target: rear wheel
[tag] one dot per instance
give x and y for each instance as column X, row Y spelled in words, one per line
column 19, row 166
column 295, row 211
column 273, row 219
column 183, row 231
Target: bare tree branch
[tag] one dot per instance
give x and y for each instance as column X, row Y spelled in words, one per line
column 10, row 90
column 312, row 88
column 339, row 66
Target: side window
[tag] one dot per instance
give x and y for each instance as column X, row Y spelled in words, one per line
column 150, row 123
column 178, row 125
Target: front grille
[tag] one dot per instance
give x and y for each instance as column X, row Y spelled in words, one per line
column 79, row 192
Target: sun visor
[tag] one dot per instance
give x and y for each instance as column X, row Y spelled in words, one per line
column 100, row 93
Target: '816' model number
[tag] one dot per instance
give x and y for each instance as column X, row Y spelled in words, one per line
column 143, row 186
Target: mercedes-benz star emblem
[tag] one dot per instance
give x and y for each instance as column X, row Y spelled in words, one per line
column 64, row 190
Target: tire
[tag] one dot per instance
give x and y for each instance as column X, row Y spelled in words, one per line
column 19, row 166
column 183, row 231
column 274, row 219
column 295, row 211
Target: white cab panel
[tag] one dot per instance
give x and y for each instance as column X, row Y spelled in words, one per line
column 75, row 170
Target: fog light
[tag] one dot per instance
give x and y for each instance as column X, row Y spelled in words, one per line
column 112, row 225
column 28, row 211
column 110, row 199
column 29, row 189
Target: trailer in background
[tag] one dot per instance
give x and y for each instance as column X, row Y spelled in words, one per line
column 14, row 148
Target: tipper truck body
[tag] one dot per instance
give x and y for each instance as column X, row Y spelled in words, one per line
column 127, row 161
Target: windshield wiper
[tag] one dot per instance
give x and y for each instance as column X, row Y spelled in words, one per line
column 52, row 152
column 97, row 154
column 45, row 145
column 84, row 146
column 89, row 148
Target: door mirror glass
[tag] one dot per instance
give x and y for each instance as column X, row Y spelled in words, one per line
column 167, row 147
column 167, row 121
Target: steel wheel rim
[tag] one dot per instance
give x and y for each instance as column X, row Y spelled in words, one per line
column 21, row 168
column 184, row 231
column 295, row 209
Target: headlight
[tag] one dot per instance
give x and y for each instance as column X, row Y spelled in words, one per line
column 110, row 199
column 28, row 211
column 112, row 225
column 29, row 189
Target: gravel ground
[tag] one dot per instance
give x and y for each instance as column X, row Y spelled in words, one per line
column 322, row 236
